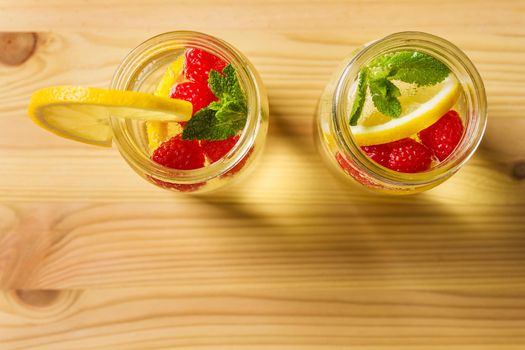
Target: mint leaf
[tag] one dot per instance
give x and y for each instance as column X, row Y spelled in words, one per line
column 417, row 68
column 225, row 86
column 384, row 88
column 384, row 95
column 233, row 112
column 204, row 125
column 359, row 99
column 412, row 67
column 387, row 105
column 223, row 118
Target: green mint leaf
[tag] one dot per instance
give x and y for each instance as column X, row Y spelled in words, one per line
column 233, row 112
column 392, row 89
column 389, row 106
column 416, row 68
column 384, row 95
column 378, row 87
column 359, row 99
column 384, row 87
column 217, row 83
column 205, row 125
column 225, row 85
column 409, row 66
column 378, row 68
column 223, row 118
column 215, row 106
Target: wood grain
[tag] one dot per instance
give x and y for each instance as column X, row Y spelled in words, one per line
column 288, row 259
column 171, row 319
column 281, row 245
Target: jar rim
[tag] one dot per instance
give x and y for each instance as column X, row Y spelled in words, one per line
column 471, row 84
column 146, row 53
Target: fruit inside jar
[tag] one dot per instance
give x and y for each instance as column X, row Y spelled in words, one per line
column 219, row 113
column 406, row 111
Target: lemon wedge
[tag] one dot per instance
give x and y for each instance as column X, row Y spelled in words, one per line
column 82, row 113
column 421, row 107
column 170, row 77
column 159, row 131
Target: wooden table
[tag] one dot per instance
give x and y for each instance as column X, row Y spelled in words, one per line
column 93, row 257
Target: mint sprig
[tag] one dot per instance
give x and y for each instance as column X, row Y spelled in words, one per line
column 360, row 96
column 224, row 118
column 384, row 95
column 225, row 86
column 412, row 67
column 417, row 68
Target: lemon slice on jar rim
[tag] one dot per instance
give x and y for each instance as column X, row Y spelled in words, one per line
column 422, row 107
column 82, row 113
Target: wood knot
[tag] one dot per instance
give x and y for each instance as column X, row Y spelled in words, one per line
column 42, row 305
column 518, row 170
column 16, row 48
column 37, row 298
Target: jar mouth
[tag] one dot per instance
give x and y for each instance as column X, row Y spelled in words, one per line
column 144, row 56
column 471, row 85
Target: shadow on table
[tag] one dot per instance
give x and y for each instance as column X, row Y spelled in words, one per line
column 315, row 230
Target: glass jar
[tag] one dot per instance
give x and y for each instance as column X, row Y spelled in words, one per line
column 141, row 71
column 339, row 148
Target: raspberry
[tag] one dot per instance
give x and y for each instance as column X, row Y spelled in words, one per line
column 239, row 165
column 179, row 154
column 179, row 187
column 405, row 155
column 215, row 150
column 348, row 168
column 443, row 136
column 199, row 63
column 199, row 94
column 379, row 153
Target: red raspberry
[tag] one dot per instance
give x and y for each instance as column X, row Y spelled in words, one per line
column 179, row 187
column 215, row 150
column 239, row 165
column 379, row 153
column 444, row 135
column 405, row 155
column 348, row 168
column 199, row 63
column 179, row 154
column 199, row 94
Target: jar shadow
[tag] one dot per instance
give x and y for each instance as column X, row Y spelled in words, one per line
column 503, row 146
column 371, row 241
column 318, row 231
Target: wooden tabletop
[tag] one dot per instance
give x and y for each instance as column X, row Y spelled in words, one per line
column 93, row 257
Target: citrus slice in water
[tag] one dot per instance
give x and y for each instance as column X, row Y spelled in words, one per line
column 83, row 113
column 421, row 107
column 159, row 131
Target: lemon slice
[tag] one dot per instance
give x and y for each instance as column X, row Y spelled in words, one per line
column 158, row 131
column 422, row 107
column 82, row 113
column 170, row 77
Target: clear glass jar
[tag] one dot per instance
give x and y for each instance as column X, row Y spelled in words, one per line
column 141, row 71
column 334, row 137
